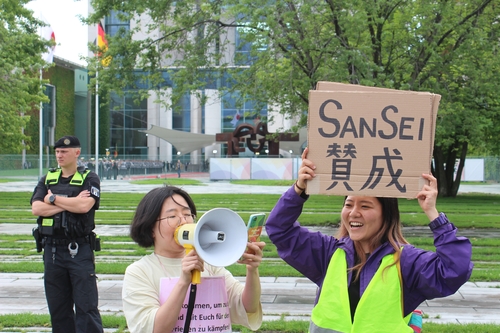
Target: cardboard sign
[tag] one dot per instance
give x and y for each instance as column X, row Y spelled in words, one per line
column 370, row 141
column 211, row 308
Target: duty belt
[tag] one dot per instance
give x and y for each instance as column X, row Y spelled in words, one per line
column 65, row 241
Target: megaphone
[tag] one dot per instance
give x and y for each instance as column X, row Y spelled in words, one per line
column 219, row 237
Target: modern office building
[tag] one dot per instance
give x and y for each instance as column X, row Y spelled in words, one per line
column 129, row 122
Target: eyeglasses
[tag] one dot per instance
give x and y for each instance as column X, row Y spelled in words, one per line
column 174, row 221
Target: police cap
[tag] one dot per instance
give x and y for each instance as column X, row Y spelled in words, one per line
column 67, row 141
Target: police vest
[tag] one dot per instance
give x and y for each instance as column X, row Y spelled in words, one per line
column 66, row 223
column 379, row 309
column 77, row 179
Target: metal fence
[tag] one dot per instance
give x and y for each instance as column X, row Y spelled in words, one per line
column 492, row 169
column 139, row 165
column 112, row 168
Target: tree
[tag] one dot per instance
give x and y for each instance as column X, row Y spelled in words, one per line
column 283, row 48
column 21, row 50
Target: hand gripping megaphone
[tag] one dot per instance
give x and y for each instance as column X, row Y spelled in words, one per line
column 219, row 237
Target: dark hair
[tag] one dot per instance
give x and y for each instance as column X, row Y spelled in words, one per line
column 390, row 232
column 149, row 209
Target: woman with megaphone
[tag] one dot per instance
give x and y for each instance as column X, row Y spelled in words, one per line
column 159, row 291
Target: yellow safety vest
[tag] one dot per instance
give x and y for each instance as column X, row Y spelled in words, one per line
column 77, row 179
column 379, row 309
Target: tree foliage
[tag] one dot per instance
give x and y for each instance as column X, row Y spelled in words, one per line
column 447, row 47
column 21, row 51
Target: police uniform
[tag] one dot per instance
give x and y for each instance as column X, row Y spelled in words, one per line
column 68, row 243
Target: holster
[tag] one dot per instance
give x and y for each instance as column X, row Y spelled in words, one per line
column 95, row 241
column 38, row 239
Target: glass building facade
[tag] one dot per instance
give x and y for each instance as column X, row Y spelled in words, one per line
column 128, row 118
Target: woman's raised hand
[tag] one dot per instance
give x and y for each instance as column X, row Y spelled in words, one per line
column 427, row 197
column 306, row 173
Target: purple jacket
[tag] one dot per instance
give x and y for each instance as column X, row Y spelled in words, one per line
column 426, row 275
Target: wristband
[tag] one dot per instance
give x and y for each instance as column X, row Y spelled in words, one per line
column 300, row 188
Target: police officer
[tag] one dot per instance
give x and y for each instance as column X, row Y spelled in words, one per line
column 65, row 201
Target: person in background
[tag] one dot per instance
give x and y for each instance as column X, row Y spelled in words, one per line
column 157, row 217
column 370, row 279
column 114, row 167
column 65, row 201
column 178, row 167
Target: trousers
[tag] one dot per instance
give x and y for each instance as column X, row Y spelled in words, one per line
column 71, row 289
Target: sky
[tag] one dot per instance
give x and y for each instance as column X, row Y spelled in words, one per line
column 71, row 35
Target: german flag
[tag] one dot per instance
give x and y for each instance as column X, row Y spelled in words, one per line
column 102, row 44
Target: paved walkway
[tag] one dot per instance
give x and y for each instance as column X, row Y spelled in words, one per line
column 292, row 297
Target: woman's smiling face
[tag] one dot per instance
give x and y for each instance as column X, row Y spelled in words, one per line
column 362, row 217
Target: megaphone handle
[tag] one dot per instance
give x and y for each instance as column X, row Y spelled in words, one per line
column 195, row 274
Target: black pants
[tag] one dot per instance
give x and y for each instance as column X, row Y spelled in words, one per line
column 71, row 283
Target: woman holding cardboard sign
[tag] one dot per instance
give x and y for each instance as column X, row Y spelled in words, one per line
column 370, row 278
column 155, row 287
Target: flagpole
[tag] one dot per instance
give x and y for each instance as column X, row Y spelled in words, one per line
column 49, row 58
column 40, row 130
column 96, row 123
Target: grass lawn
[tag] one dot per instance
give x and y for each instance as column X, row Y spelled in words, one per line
column 465, row 211
column 19, row 321
column 474, row 211
column 478, row 211
column 120, row 251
